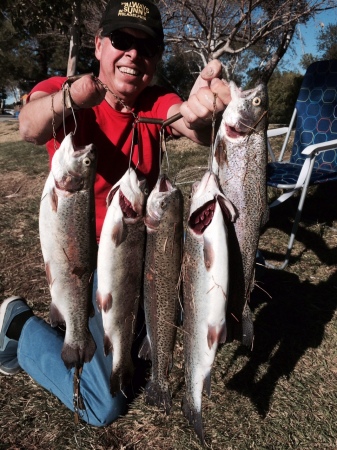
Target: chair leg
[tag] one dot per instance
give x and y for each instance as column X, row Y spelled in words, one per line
column 295, row 225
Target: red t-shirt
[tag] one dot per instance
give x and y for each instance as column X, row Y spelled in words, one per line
column 111, row 132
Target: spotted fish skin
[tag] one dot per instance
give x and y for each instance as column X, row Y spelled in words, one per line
column 240, row 161
column 164, row 225
column 205, row 278
column 120, row 273
column 67, row 236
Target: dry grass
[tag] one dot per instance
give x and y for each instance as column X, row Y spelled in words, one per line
column 282, row 395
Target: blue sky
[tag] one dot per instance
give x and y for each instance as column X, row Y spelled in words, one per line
column 308, row 41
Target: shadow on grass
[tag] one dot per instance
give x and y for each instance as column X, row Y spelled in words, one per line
column 320, row 207
column 289, row 323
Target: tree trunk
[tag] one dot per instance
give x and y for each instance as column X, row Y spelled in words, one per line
column 74, row 39
column 271, row 65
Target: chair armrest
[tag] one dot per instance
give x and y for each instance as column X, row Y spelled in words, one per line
column 321, row 147
column 276, row 131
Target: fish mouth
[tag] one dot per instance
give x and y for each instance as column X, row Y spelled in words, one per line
column 234, row 132
column 164, row 184
column 126, row 207
column 201, row 218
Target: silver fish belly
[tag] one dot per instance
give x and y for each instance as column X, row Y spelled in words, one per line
column 205, row 279
column 67, row 235
column 120, row 273
column 240, row 162
column 164, row 224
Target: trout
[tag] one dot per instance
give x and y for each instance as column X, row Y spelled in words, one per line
column 67, row 235
column 120, row 273
column 164, row 225
column 205, row 288
column 240, row 161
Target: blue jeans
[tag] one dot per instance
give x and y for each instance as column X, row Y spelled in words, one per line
column 39, row 354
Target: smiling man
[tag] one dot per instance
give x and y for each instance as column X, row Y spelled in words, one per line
column 128, row 45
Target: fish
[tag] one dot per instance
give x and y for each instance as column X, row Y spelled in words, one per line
column 69, row 248
column 163, row 256
column 205, row 281
column 240, row 161
column 120, row 264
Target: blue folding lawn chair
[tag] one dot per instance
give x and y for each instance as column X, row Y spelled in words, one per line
column 313, row 158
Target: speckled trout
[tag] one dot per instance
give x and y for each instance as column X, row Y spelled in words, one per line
column 120, row 273
column 205, row 277
column 164, row 225
column 67, row 235
column 240, row 162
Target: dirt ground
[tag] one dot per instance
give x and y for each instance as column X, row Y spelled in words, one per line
column 279, row 395
column 9, row 131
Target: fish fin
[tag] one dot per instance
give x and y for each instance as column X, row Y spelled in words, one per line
column 53, row 200
column 229, row 211
column 156, row 395
column 223, row 334
column 265, row 217
column 212, row 336
column 104, row 302
column 108, row 347
column 247, row 327
column 207, row 384
column 75, row 355
column 208, row 254
column 121, row 377
column 55, row 317
column 145, row 349
column 111, row 194
column 118, row 232
column 48, row 274
column 195, row 419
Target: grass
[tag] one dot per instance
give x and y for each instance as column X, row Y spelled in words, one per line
column 281, row 395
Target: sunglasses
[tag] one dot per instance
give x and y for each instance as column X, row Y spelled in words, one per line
column 148, row 47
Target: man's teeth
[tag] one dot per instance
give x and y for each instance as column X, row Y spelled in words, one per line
column 129, row 71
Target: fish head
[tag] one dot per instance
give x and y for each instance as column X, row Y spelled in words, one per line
column 133, row 192
column 245, row 114
column 164, row 201
column 74, row 168
column 206, row 198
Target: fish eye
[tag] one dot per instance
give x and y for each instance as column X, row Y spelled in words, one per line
column 86, row 161
column 146, row 191
column 256, row 101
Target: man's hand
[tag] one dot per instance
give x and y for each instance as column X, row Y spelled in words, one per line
column 198, row 109
column 86, row 92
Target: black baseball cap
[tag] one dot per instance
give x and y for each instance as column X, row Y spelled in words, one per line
column 142, row 15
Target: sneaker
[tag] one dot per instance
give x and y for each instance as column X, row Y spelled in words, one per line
column 9, row 309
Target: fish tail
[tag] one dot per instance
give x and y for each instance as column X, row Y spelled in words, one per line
column 155, row 395
column 121, row 377
column 195, row 419
column 75, row 355
column 145, row 349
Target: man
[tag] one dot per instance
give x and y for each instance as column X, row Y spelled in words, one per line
column 128, row 45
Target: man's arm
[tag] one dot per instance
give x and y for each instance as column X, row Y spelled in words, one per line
column 45, row 111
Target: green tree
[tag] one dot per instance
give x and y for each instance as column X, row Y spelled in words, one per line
column 283, row 89
column 327, row 42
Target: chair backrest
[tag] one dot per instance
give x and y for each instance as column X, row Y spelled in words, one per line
column 317, row 113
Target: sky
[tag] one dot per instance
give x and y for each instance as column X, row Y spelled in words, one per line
column 307, row 43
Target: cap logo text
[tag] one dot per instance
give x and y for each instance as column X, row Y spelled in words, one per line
column 134, row 9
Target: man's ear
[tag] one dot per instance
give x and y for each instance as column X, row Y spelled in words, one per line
column 98, row 47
